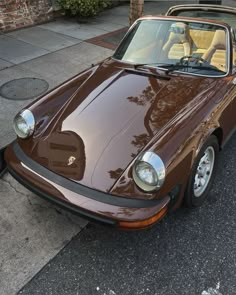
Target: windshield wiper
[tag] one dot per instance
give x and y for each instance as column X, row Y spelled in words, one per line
column 173, row 67
column 169, row 67
column 136, row 66
column 208, row 68
column 146, row 73
column 178, row 66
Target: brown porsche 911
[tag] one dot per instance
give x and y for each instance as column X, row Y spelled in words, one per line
column 138, row 134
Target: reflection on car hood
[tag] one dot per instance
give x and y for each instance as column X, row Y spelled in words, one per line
column 109, row 121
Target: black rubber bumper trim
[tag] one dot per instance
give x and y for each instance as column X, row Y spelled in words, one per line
column 63, row 204
column 81, row 189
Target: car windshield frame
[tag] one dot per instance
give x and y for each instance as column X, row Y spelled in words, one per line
column 185, row 20
column 177, row 11
column 201, row 7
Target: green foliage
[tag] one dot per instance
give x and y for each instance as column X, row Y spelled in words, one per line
column 84, row 7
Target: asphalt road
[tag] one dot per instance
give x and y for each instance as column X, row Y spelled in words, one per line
column 189, row 252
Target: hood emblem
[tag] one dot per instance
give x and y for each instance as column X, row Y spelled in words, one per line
column 71, row 160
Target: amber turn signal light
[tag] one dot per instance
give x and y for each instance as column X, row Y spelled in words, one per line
column 144, row 223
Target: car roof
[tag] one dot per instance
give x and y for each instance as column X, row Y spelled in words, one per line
column 205, row 7
column 184, row 18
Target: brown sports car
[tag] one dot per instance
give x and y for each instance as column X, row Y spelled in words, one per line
column 138, row 134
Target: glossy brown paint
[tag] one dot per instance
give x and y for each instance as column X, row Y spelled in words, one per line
column 108, row 211
column 139, row 107
column 106, row 116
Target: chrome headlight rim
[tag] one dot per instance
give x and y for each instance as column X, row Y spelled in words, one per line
column 152, row 160
column 27, row 120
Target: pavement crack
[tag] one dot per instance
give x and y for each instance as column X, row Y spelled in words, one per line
column 38, row 206
column 71, row 220
column 11, row 186
column 29, row 200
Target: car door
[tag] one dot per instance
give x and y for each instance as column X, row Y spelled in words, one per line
column 228, row 118
column 225, row 98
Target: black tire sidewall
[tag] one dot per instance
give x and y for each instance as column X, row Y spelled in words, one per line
column 191, row 200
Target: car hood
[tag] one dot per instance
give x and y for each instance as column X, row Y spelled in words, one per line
column 108, row 121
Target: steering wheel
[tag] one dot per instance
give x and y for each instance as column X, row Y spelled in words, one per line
column 191, row 58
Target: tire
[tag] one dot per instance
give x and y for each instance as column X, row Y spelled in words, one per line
column 202, row 174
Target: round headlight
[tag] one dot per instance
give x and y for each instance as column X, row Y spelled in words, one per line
column 24, row 124
column 149, row 172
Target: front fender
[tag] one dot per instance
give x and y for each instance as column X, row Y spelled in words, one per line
column 47, row 106
column 178, row 145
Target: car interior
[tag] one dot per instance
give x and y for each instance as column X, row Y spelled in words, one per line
column 172, row 42
column 214, row 52
column 209, row 45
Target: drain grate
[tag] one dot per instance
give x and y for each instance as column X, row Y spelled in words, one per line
column 24, row 88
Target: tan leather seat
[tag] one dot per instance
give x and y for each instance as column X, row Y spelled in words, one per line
column 216, row 53
column 234, row 56
column 178, row 44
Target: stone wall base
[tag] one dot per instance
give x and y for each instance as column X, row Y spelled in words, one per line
column 15, row 14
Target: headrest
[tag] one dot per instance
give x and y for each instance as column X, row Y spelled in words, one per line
column 179, row 32
column 178, row 28
column 219, row 40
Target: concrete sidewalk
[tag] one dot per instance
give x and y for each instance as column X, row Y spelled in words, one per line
column 32, row 231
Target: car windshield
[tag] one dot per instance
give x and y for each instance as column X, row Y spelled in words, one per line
column 197, row 48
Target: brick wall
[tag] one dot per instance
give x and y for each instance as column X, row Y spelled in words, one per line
column 19, row 13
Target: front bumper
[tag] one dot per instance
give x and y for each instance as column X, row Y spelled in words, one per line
column 89, row 203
